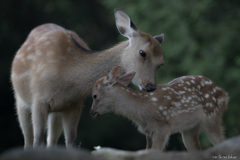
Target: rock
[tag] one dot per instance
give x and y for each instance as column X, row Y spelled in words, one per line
column 58, row 153
column 227, row 150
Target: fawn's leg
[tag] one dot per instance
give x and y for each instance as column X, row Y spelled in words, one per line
column 214, row 130
column 54, row 128
column 149, row 142
column 24, row 117
column 159, row 140
column 39, row 119
column 191, row 138
column 70, row 124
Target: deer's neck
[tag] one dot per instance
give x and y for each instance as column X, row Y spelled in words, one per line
column 97, row 65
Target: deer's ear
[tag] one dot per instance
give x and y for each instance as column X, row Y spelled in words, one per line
column 124, row 24
column 126, row 78
column 159, row 38
column 113, row 76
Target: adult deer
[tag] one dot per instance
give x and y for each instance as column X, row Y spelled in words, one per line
column 54, row 70
column 186, row 104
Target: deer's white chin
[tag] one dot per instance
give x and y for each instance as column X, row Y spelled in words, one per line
column 140, row 87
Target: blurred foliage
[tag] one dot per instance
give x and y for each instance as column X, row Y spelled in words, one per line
column 201, row 38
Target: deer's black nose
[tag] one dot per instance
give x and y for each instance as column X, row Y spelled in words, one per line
column 150, row 87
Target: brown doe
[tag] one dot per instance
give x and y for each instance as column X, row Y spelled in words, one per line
column 186, row 104
column 54, row 70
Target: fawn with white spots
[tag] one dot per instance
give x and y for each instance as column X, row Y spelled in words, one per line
column 186, row 104
column 54, row 70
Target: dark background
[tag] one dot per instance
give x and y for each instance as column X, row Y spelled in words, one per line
column 201, row 38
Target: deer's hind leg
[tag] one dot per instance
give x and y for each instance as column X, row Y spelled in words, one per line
column 39, row 119
column 214, row 130
column 24, row 117
column 191, row 138
column 54, row 128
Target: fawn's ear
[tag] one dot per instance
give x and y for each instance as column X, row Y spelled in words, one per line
column 126, row 78
column 159, row 38
column 113, row 75
column 124, row 24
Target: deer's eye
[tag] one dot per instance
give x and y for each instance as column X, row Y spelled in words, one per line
column 95, row 96
column 142, row 53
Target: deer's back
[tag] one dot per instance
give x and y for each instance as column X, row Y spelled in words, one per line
column 43, row 61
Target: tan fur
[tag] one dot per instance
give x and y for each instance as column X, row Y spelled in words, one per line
column 54, row 70
column 186, row 104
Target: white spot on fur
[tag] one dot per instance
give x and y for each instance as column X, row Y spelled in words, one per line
column 192, row 81
column 19, row 55
column 47, row 43
column 199, row 87
column 208, row 82
column 214, row 99
column 202, row 83
column 49, row 53
column 209, row 104
column 31, row 56
column 181, row 92
column 160, row 107
column 40, row 66
column 188, row 83
column 154, row 99
column 134, row 94
column 151, row 93
column 38, row 53
column 122, row 88
column 29, row 48
column 165, row 113
column 127, row 90
column 214, row 90
column 164, row 89
column 206, row 95
column 177, row 104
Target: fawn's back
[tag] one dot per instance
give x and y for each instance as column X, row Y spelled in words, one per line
column 196, row 95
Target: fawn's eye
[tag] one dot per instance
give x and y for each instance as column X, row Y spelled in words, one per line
column 95, row 96
column 142, row 53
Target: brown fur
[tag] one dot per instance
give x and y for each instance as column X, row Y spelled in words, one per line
column 54, row 70
column 186, row 104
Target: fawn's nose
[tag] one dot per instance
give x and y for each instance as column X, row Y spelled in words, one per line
column 150, row 87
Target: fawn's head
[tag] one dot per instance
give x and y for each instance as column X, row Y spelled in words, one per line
column 104, row 90
column 143, row 54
